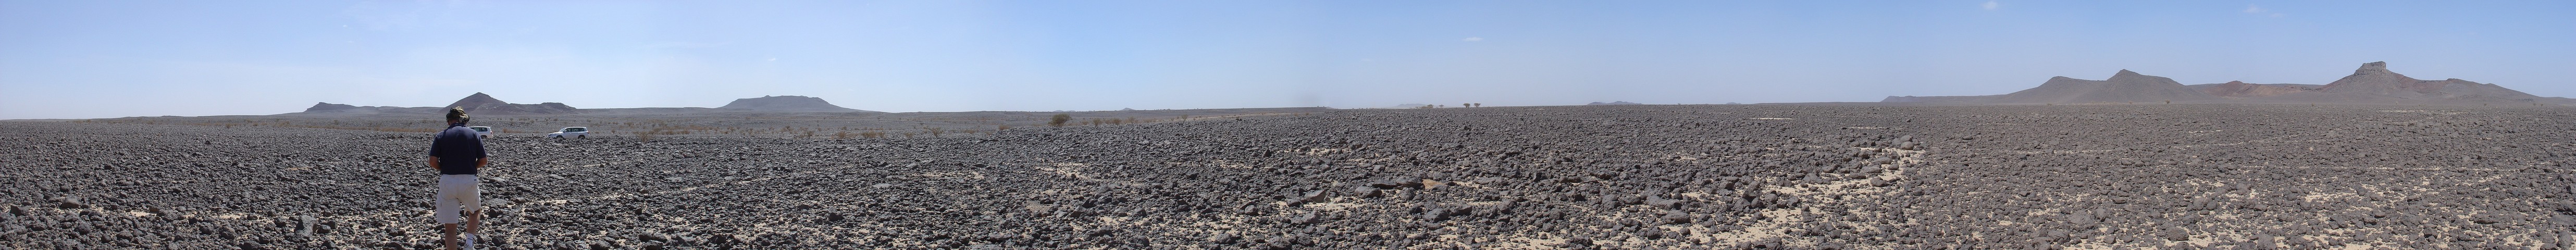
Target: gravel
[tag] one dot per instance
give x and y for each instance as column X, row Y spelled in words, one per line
column 1630, row 176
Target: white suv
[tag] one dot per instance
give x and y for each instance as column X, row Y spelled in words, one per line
column 574, row 132
column 486, row 132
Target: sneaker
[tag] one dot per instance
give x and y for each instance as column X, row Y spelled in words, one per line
column 468, row 243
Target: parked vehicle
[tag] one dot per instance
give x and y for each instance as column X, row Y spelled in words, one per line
column 574, row 132
column 486, row 132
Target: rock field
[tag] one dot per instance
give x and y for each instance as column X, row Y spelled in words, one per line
column 2219, row 176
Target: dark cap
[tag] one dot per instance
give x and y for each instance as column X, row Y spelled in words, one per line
column 457, row 114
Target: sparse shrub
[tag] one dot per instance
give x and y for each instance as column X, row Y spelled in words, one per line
column 935, row 131
column 1058, row 120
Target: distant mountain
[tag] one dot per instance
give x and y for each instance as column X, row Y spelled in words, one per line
column 1612, row 103
column 786, row 103
column 2373, row 83
column 480, row 103
column 2375, row 79
column 325, row 107
column 477, row 104
column 484, row 104
column 2123, row 87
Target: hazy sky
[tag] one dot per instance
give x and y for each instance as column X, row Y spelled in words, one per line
column 93, row 59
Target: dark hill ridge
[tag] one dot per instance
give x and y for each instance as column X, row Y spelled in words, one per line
column 334, row 108
column 2123, row 87
column 480, row 103
column 485, row 104
column 787, row 103
column 2373, row 83
column 2375, row 79
column 325, row 106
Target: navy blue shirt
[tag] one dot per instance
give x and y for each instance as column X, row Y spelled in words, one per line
column 456, row 149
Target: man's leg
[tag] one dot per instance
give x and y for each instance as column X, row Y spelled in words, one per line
column 454, row 196
column 445, row 213
column 473, row 205
column 474, row 222
column 450, row 239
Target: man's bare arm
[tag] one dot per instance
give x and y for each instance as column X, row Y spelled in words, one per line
column 480, row 162
column 433, row 163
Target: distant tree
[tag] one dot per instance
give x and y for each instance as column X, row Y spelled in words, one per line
column 1058, row 120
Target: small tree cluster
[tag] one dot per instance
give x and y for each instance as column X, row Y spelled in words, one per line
column 1058, row 120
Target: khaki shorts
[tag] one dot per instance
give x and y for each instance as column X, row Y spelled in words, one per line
column 455, row 192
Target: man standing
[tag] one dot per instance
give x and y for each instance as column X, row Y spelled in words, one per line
column 457, row 154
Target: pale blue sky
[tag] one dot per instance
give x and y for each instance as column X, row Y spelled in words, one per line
column 92, row 59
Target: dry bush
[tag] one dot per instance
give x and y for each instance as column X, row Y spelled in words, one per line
column 1058, row 120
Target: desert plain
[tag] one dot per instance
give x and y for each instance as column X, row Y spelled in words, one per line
column 2181, row 176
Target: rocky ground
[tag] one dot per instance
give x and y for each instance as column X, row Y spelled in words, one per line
column 1631, row 176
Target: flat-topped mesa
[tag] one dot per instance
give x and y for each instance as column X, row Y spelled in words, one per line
column 325, row 106
column 2373, row 67
column 785, row 103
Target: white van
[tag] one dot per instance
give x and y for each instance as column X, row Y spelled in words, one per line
column 574, row 132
